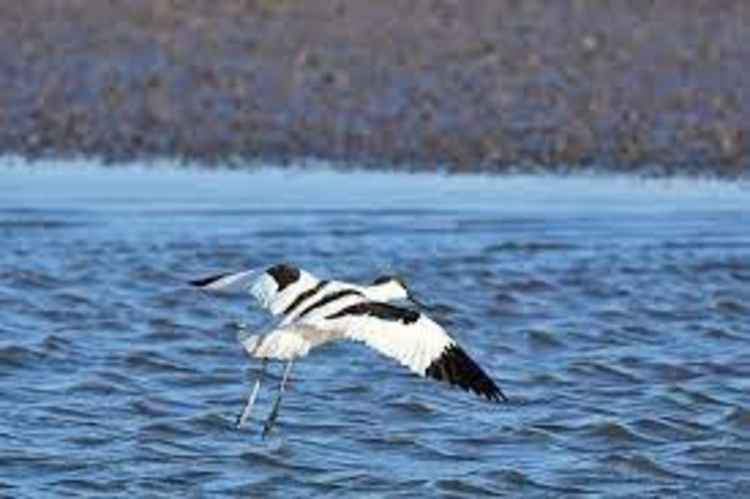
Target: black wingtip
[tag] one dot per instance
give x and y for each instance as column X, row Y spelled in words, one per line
column 498, row 396
column 493, row 393
column 205, row 281
column 457, row 368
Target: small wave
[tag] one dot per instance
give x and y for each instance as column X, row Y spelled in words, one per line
column 603, row 371
column 39, row 224
column 92, row 387
column 30, row 280
column 338, row 479
column 502, row 223
column 724, row 369
column 169, row 431
column 549, row 379
column 73, row 298
column 440, row 450
column 277, row 460
column 530, row 285
column 543, row 339
column 612, row 431
column 281, row 234
column 672, row 372
column 695, row 245
column 666, row 430
column 612, row 314
column 351, row 389
column 89, row 440
column 723, row 265
column 55, row 343
column 41, row 463
column 718, row 453
column 78, row 486
column 724, row 460
column 412, row 406
column 470, row 488
column 724, row 334
column 730, row 306
column 528, row 247
column 208, row 422
column 739, row 419
column 503, row 298
column 517, row 479
column 154, row 362
column 18, row 356
column 641, row 464
column 695, row 396
column 610, row 435
column 150, row 408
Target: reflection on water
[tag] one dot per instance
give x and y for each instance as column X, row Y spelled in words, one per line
column 613, row 312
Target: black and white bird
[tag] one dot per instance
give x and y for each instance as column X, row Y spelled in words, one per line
column 311, row 312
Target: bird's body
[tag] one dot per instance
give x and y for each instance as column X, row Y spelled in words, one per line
column 312, row 312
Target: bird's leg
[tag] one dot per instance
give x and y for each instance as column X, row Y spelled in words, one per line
column 275, row 410
column 242, row 417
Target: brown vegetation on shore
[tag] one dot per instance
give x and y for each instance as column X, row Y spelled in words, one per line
column 480, row 85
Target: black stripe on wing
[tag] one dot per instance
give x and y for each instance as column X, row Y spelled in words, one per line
column 330, row 297
column 304, row 296
column 457, row 368
column 205, row 281
column 380, row 310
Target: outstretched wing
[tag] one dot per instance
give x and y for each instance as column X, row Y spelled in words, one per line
column 282, row 289
column 411, row 338
column 275, row 288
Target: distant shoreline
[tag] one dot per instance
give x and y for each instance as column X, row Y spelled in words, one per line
column 488, row 87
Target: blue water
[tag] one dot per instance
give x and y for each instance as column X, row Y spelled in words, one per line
column 612, row 311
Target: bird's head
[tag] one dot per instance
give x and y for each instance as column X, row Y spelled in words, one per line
column 390, row 287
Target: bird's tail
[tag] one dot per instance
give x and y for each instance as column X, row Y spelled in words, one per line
column 251, row 343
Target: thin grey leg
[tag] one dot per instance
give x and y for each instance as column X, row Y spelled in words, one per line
column 277, row 403
column 242, row 417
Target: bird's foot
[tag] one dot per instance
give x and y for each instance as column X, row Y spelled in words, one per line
column 272, row 417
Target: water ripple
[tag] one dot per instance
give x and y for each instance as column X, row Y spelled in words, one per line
column 621, row 340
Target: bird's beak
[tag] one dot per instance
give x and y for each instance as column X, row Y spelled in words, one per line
column 415, row 301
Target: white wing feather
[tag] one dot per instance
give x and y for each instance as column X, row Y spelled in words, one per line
column 413, row 345
column 414, row 340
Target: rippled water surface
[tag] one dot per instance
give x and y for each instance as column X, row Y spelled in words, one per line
column 614, row 313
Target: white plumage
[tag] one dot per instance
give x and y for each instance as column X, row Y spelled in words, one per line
column 313, row 311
